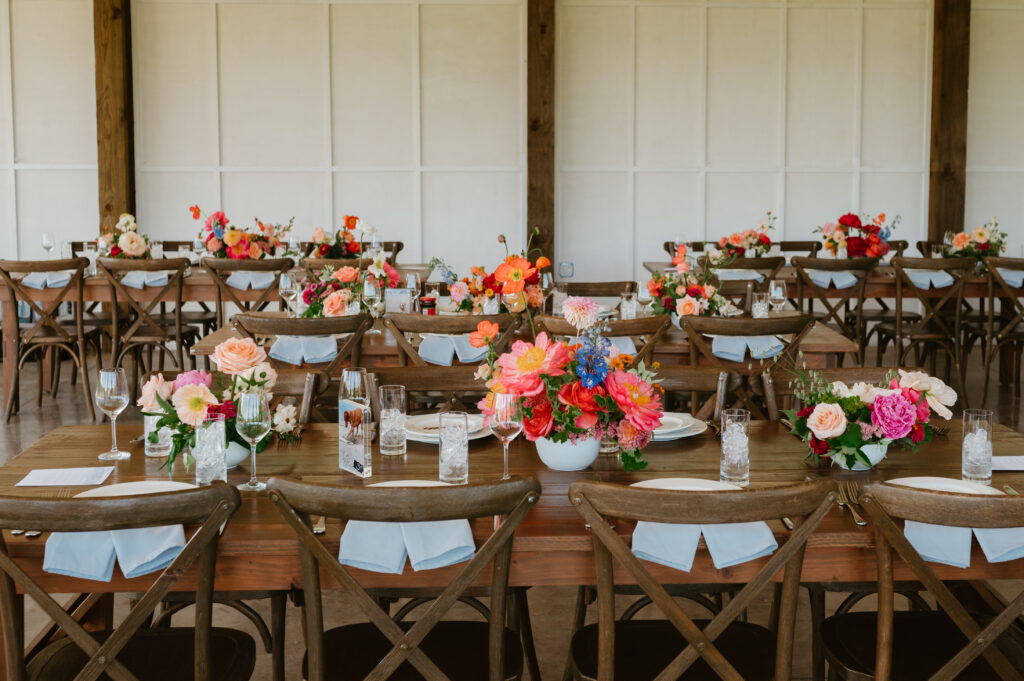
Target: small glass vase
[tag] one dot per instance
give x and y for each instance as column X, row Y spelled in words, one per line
column 162, row 447
column 609, row 445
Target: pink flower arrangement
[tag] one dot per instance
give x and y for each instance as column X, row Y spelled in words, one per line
column 224, row 240
column 581, row 312
column 194, row 377
column 523, row 366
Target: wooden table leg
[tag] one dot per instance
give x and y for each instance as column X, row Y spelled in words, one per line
column 10, row 329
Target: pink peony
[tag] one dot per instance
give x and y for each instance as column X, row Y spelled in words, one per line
column 132, row 244
column 459, row 291
column 522, row 366
column 217, row 218
column 636, row 398
column 194, row 377
column 630, row 437
column 894, row 414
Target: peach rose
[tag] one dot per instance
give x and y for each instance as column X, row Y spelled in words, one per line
column 238, row 355
column 736, row 239
column 154, row 386
column 319, row 236
column 132, row 244
column 961, row 241
column 346, row 274
column 827, row 421
column 213, row 244
column 255, row 251
column 686, row 306
column 335, row 304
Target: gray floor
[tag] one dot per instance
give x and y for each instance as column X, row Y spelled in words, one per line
column 551, row 607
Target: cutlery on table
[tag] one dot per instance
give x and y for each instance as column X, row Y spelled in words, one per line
column 1010, row 490
column 847, row 500
column 788, row 523
column 320, row 526
column 15, row 533
column 32, row 534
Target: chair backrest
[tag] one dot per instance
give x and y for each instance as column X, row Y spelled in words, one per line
column 598, row 289
column 810, row 247
column 222, row 268
column 210, row 507
column 835, row 300
column 698, row 382
column 453, row 384
column 393, row 248
column 949, row 299
column 1012, row 298
column 511, row 500
column 46, row 323
column 650, row 329
column 884, row 502
column 805, row 504
column 407, row 328
column 348, row 329
column 898, row 246
column 925, row 247
column 767, row 266
column 780, row 385
column 691, row 246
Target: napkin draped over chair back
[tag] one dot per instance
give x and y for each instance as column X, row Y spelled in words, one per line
column 805, row 504
column 209, row 507
column 220, row 269
column 409, row 330
column 510, row 500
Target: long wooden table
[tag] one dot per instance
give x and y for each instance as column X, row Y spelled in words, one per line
column 552, row 547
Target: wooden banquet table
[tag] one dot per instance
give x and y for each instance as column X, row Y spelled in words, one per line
column 552, row 547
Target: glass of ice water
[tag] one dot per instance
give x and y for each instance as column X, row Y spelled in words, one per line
column 453, row 447
column 628, row 305
column 759, row 308
column 162, row 446
column 977, row 446
column 211, row 451
column 392, row 419
column 735, row 463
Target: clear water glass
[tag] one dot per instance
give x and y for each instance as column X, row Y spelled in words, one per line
column 211, row 451
column 491, row 305
column 156, row 249
column 759, row 307
column 392, row 419
column 977, row 446
column 65, row 250
column 628, row 305
column 506, row 422
column 558, row 296
column 734, row 467
column 938, row 250
column 287, row 288
column 777, row 294
column 453, row 447
column 112, row 398
column 162, row 446
column 90, row 251
column 252, row 423
column 355, row 386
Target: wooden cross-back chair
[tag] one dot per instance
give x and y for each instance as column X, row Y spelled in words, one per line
column 780, row 385
column 837, row 301
column 349, row 331
column 796, row 327
column 437, row 650
column 1009, row 330
column 940, row 327
column 808, row 247
column 921, row 645
column 406, row 328
column 695, row 384
column 691, row 247
column 48, row 331
column 392, row 248
column 884, row 313
column 131, row 651
column 145, row 327
column 222, row 268
column 651, row 330
column 670, row 648
column 598, row 289
column 430, row 387
column 767, row 266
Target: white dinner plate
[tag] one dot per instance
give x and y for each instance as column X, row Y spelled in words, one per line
column 424, row 428
column 945, row 485
column 410, row 483
column 672, row 422
column 127, row 489
column 697, row 428
column 686, row 484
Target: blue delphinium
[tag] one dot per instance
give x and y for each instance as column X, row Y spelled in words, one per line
column 592, row 363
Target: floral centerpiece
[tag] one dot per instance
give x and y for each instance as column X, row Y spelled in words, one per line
column 855, row 424
column 185, row 403
column 123, row 239
column 329, row 292
column 341, row 244
column 979, row 243
column 575, row 394
column 224, row 240
column 686, row 291
column 867, row 238
column 750, row 243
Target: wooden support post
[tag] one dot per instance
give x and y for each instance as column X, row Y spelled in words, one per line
column 115, row 134
column 540, row 130
column 950, row 68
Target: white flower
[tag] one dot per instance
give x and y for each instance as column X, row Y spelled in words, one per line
column 937, row 394
column 126, row 223
column 261, row 372
column 866, row 392
column 285, row 418
column 376, row 268
column 364, row 228
column 581, row 312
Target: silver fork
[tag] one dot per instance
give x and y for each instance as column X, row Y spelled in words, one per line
column 847, row 497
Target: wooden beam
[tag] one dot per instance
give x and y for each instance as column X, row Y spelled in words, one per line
column 115, row 127
column 540, row 131
column 950, row 68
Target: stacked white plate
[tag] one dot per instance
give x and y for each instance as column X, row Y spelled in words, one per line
column 425, row 427
column 677, row 425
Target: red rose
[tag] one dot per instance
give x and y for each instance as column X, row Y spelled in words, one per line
column 871, row 229
column 804, row 413
column 917, row 433
column 856, row 246
column 576, row 395
column 819, row 447
column 694, row 291
column 666, row 303
column 542, row 421
column 850, row 220
column 739, row 251
column 115, row 251
column 983, row 247
column 323, row 249
column 765, row 239
column 353, row 247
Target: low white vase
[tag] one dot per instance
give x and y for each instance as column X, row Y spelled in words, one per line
column 236, row 454
column 875, row 454
column 568, row 456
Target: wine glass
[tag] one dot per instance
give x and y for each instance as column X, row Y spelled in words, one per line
column 112, row 398
column 373, row 301
column 355, row 386
column 252, row 421
column 287, row 288
column 506, row 422
column 777, row 294
column 48, row 243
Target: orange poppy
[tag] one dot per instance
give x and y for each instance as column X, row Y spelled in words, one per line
column 195, row 212
column 513, row 274
column 485, row 332
column 543, row 262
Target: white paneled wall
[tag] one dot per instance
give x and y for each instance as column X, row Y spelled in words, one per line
column 47, row 124
column 409, row 114
column 995, row 118
column 691, row 118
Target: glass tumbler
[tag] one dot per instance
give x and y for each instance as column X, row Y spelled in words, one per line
column 977, row 446
column 392, row 419
column 759, row 307
column 162, row 446
column 735, row 463
column 628, row 305
column 211, row 451
column 453, row 447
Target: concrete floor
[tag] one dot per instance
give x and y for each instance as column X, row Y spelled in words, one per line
column 551, row 608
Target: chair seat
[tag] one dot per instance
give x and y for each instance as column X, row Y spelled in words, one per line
column 885, row 316
column 644, row 647
column 458, row 648
column 188, row 317
column 154, row 655
column 922, row 643
column 48, row 337
column 150, row 336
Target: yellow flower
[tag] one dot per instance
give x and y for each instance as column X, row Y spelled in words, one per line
column 232, row 237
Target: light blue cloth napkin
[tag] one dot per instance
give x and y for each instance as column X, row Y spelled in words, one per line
column 1001, row 544
column 41, row 280
column 930, row 278
column 732, row 348
column 839, row 280
column 763, row 347
column 739, row 275
column 676, row 545
column 244, row 280
column 952, row 545
column 298, row 349
column 1014, row 278
column 287, row 349
column 466, row 353
column 144, row 550
column 90, row 555
column 139, row 279
column 439, row 350
column 383, row 547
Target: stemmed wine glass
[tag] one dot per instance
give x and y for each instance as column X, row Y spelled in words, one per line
column 374, row 302
column 252, row 421
column 288, row 289
column 777, row 294
column 506, row 422
column 112, row 398
column 48, row 243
